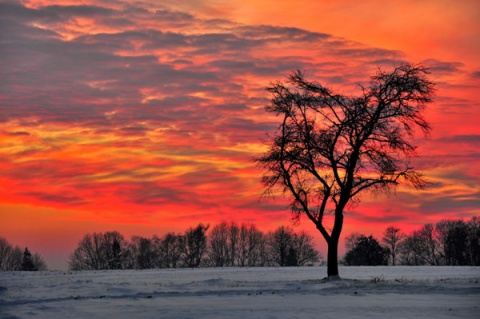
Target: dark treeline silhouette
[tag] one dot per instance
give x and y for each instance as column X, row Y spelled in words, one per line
column 448, row 242
column 366, row 251
column 228, row 245
column 16, row 259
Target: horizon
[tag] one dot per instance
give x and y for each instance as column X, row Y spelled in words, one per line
column 144, row 118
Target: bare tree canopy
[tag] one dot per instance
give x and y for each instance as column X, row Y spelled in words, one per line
column 392, row 237
column 329, row 148
column 14, row 259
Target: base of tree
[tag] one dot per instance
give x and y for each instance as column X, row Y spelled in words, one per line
column 334, row 278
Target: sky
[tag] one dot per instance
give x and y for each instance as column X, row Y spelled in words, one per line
column 144, row 116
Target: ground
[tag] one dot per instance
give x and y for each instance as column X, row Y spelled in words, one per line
column 364, row 292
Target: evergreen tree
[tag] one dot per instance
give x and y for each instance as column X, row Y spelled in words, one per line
column 27, row 262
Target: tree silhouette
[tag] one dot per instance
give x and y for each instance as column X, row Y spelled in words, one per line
column 280, row 243
column 194, row 245
column 367, row 252
column 453, row 238
column 392, row 238
column 330, row 148
column 27, row 262
column 290, row 249
column 116, row 260
column 171, row 250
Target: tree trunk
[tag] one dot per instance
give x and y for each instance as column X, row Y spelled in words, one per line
column 332, row 255
column 332, row 258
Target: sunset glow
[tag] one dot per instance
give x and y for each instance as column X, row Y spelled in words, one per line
column 144, row 117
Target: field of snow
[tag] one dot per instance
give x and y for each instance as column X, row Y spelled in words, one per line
column 364, row 292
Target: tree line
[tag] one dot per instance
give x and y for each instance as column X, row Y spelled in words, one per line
column 448, row 242
column 15, row 259
column 227, row 245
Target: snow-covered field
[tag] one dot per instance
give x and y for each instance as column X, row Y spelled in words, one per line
column 364, row 292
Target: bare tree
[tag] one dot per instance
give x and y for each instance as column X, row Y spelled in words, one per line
column 474, row 241
column 232, row 251
column 5, row 254
column 112, row 248
column 410, row 251
column 144, row 252
column 290, row 249
column 243, row 246
column 39, row 262
column 330, row 148
column 352, row 240
column 280, row 243
column 305, row 251
column 218, row 244
column 424, row 246
column 99, row 251
column 392, row 237
column 11, row 258
column 14, row 258
column 233, row 245
column 250, row 241
column 452, row 236
column 194, row 245
column 87, row 255
column 171, row 250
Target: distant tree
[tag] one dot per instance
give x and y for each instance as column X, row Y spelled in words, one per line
column 112, row 247
column 473, row 241
column 280, row 243
column 116, row 258
column 27, row 262
column 367, row 252
column 448, row 242
column 233, row 234
column 243, row 246
column 171, row 250
column 14, row 259
column 233, row 245
column 144, row 252
column 352, row 240
column 251, row 241
column 392, row 238
column 429, row 247
column 453, row 239
column 39, row 262
column 290, row 249
column 194, row 245
column 218, row 245
column 5, row 254
column 99, row 251
column 305, row 250
column 330, row 148
column 87, row 255
column 410, row 251
column 422, row 247
column 263, row 253
column 156, row 251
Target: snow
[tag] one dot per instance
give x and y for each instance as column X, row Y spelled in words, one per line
column 364, row 292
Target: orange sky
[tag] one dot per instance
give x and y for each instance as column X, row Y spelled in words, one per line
column 144, row 117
